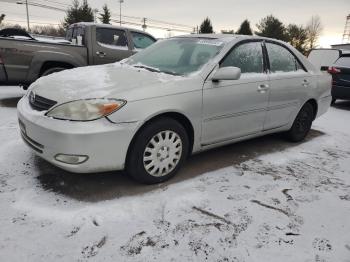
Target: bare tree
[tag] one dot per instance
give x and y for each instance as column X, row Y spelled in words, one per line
column 314, row 30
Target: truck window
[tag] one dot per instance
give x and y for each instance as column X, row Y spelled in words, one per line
column 69, row 34
column 141, row 41
column 76, row 35
column 111, row 38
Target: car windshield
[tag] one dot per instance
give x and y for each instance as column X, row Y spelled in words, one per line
column 177, row 56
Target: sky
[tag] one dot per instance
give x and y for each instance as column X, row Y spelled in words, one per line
column 224, row 14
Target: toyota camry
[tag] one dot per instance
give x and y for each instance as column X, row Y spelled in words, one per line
column 178, row 97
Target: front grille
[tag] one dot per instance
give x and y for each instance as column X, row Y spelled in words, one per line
column 40, row 103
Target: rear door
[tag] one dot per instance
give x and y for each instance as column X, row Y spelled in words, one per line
column 111, row 45
column 289, row 82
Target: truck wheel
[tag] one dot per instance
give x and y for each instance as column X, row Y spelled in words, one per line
column 302, row 124
column 158, row 151
column 52, row 70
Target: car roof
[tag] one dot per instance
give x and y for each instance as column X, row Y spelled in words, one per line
column 227, row 37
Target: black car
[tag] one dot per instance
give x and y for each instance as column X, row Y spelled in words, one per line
column 340, row 72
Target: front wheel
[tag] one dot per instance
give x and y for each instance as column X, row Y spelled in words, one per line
column 158, row 151
column 302, row 124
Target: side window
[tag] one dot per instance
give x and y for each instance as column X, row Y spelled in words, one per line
column 248, row 57
column 141, row 41
column 281, row 59
column 111, row 38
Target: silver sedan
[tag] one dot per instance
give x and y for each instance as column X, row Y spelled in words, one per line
column 180, row 96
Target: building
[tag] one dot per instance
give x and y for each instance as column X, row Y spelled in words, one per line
column 341, row 46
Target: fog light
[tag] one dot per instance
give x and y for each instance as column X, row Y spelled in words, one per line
column 71, row 159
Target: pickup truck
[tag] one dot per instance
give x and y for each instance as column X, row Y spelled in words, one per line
column 25, row 59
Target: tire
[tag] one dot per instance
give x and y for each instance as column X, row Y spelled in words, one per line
column 52, row 70
column 302, row 124
column 333, row 101
column 163, row 144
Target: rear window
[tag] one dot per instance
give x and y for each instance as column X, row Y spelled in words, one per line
column 76, row 35
column 343, row 61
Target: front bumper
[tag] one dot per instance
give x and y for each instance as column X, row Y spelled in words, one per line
column 105, row 143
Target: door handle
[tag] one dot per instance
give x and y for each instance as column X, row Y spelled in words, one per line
column 101, row 54
column 305, row 83
column 263, row 88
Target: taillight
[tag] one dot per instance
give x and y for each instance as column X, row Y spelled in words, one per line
column 333, row 70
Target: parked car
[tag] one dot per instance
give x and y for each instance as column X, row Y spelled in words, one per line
column 340, row 72
column 323, row 58
column 178, row 97
column 24, row 59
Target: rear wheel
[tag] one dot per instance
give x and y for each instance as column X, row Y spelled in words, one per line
column 302, row 124
column 158, row 151
column 52, row 70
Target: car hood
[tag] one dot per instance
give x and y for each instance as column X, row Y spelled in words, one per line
column 116, row 80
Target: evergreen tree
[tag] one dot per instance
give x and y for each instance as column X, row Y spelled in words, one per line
column 206, row 27
column 245, row 29
column 105, row 17
column 297, row 37
column 87, row 14
column 78, row 13
column 271, row 27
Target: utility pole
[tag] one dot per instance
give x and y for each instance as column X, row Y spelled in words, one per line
column 120, row 11
column 27, row 16
column 26, row 3
column 144, row 26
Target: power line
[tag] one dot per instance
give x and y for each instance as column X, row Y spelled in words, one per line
column 140, row 21
column 151, row 26
column 154, row 21
column 32, row 22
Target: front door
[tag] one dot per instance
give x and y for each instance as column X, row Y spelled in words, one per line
column 236, row 108
column 111, row 45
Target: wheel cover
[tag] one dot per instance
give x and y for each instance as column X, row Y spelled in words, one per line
column 162, row 153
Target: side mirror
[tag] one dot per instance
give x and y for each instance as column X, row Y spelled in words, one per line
column 227, row 73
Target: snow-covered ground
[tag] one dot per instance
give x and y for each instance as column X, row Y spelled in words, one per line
column 259, row 200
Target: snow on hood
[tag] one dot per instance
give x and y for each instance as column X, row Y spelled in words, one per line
column 103, row 81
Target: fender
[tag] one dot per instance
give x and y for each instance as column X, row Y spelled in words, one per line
column 41, row 57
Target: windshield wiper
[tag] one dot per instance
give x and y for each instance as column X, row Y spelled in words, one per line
column 148, row 68
column 170, row 72
column 152, row 69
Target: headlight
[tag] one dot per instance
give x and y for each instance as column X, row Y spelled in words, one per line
column 86, row 110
